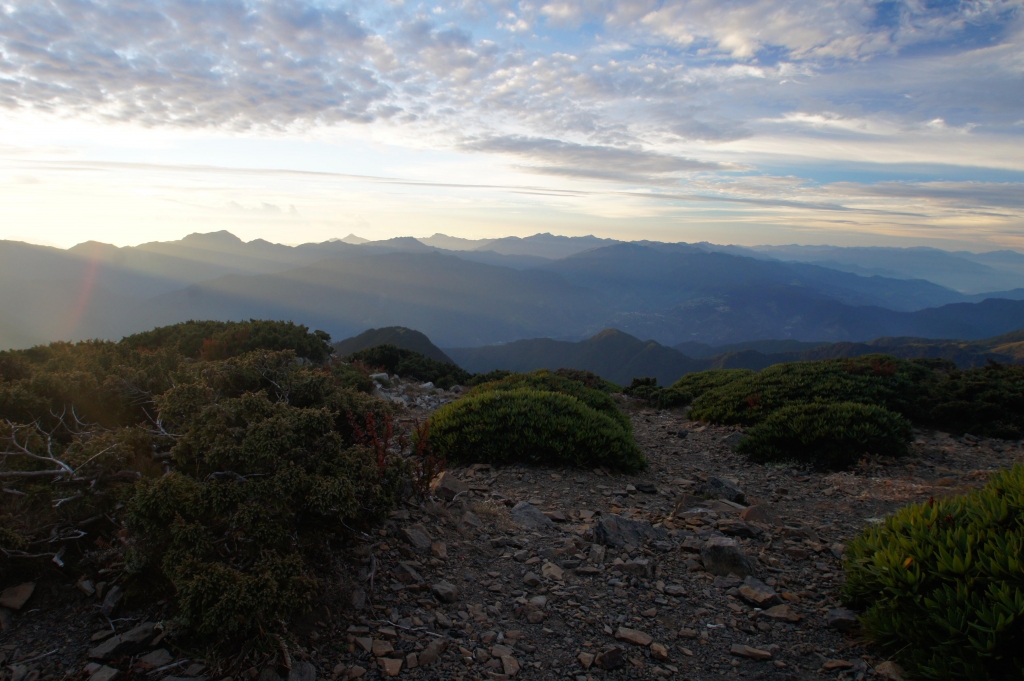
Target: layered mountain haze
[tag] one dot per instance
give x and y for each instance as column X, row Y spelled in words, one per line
column 481, row 293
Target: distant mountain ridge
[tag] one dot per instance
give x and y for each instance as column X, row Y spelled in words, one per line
column 619, row 357
column 474, row 296
column 399, row 336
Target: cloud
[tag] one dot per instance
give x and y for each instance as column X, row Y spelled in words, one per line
column 569, row 159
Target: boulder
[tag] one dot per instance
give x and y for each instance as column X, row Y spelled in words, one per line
column 123, row 644
column 759, row 514
column 719, row 488
column 615, row 531
column 417, row 537
column 445, row 592
column 431, row 653
column 302, row 671
column 446, row 486
column 841, row 619
column 529, row 516
column 16, row 596
column 748, row 652
column 758, row 594
column 637, row 638
column 723, row 556
column 612, row 658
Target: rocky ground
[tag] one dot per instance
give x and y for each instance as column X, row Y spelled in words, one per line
column 583, row 575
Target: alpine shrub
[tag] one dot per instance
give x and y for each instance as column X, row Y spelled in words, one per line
column 525, row 424
column 898, row 385
column 212, row 340
column 827, row 435
column 589, row 379
column 686, row 389
column 942, row 583
column 987, row 401
column 552, row 382
column 396, row 360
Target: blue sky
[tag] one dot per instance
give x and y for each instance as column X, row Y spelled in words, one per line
column 732, row 121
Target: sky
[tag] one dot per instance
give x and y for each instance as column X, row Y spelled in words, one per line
column 848, row 122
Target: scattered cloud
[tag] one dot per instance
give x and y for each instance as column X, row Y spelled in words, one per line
column 669, row 96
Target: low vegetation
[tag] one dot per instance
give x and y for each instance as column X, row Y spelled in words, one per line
column 410, row 364
column 827, row 435
column 941, row 583
column 201, row 468
column 547, row 381
column 540, row 418
column 686, row 389
column 898, row 385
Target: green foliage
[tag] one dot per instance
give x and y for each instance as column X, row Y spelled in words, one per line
column 987, row 402
column 212, row 340
column 898, row 385
column 686, row 389
column 259, row 476
column 525, row 424
column 551, row 382
column 942, row 583
column 409, row 364
column 269, row 455
column 589, row 379
column 495, row 375
column 827, row 435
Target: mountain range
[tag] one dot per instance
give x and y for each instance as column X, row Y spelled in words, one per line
column 469, row 294
column 619, row 357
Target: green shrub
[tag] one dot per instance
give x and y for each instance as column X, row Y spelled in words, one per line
column 898, row 385
column 551, row 382
column 692, row 386
column 987, row 402
column 686, row 389
column 524, row 424
column 409, row 364
column 942, row 584
column 495, row 375
column 271, row 454
column 589, row 379
column 214, row 340
column 827, row 435
column 267, row 460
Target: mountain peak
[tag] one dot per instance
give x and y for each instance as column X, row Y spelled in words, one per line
column 220, row 238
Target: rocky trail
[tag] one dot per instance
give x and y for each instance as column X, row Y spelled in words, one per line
column 704, row 566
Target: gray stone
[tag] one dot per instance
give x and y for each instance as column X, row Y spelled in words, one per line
column 302, row 671
column 445, row 592
column 841, row 619
column 470, row 519
column 407, row 574
column 123, row 644
column 446, row 486
column 157, row 658
column 723, row 556
column 720, row 488
column 596, row 554
column 113, row 599
column 417, row 538
column 759, row 514
column 432, row 652
column 615, row 531
column 612, row 658
column 104, row 673
column 737, row 528
column 16, row 596
column 530, row 579
column 758, row 594
column 529, row 516
column 732, row 440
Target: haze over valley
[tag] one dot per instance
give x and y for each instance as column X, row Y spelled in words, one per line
column 466, row 294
